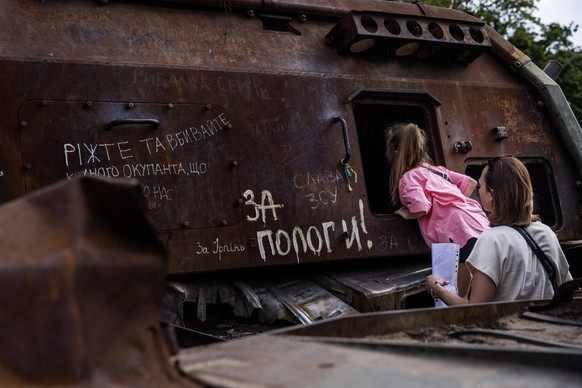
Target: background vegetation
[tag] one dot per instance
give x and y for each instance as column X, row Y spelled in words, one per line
column 514, row 20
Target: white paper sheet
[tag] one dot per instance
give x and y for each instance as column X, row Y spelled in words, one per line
column 445, row 264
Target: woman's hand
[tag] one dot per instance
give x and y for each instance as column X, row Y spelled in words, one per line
column 436, row 289
column 430, row 282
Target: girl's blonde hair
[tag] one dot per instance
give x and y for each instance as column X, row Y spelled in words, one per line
column 509, row 183
column 409, row 149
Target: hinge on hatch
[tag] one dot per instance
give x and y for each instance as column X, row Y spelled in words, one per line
column 278, row 24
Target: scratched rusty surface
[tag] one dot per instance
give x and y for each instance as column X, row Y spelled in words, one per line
column 82, row 278
column 170, row 168
column 264, row 186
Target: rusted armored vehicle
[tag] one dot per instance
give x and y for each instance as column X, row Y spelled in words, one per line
column 256, row 132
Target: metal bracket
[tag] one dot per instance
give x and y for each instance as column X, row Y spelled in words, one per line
column 500, row 132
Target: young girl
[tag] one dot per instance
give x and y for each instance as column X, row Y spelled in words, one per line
column 437, row 197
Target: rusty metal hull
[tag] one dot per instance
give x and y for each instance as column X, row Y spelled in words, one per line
column 228, row 119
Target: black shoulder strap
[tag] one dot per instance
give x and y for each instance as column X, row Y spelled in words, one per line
column 546, row 263
column 441, row 174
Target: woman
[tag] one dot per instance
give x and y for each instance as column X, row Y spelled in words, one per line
column 503, row 266
column 436, row 197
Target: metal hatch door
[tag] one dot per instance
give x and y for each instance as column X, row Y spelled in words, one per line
column 182, row 154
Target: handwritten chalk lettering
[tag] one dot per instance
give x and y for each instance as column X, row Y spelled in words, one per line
column 201, row 250
column 153, row 169
column 260, row 235
column 313, row 233
column 158, row 192
column 270, row 127
column 261, row 209
column 315, row 239
column 326, row 227
column 325, row 178
column 388, row 241
column 1, row 173
column 354, row 236
column 324, row 197
column 153, row 143
column 281, row 245
column 362, row 222
column 166, row 48
column 133, row 170
column 282, row 234
column 194, row 134
column 194, row 81
column 190, row 135
column 277, row 126
column 297, row 233
column 219, row 248
column 101, row 172
column 83, row 153
column 80, row 154
column 244, row 88
column 198, row 168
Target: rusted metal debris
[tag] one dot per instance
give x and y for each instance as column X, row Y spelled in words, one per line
column 296, row 297
column 82, row 277
column 458, row 346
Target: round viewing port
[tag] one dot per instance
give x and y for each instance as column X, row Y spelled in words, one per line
column 407, row 49
column 392, row 26
column 362, row 45
column 456, row 32
column 435, row 30
column 414, row 28
column 369, row 24
column 476, row 34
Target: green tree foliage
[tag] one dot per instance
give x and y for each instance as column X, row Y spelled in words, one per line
column 515, row 20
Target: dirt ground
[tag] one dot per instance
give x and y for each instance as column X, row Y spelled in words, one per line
column 511, row 331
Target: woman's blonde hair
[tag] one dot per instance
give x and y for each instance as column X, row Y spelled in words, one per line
column 509, row 183
column 409, row 149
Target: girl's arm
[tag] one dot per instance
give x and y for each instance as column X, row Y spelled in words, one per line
column 407, row 215
column 470, row 187
column 459, row 180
